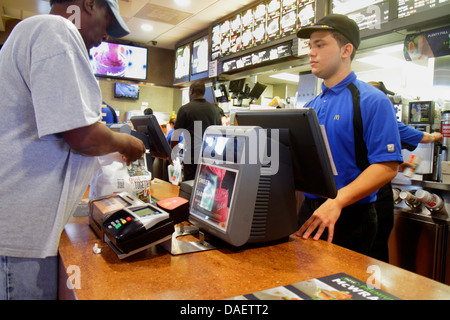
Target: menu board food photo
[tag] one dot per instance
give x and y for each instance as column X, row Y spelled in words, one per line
column 266, row 21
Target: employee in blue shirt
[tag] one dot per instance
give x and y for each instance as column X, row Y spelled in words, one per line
column 410, row 139
column 349, row 220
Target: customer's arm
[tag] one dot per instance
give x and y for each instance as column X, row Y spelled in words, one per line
column 97, row 140
column 326, row 216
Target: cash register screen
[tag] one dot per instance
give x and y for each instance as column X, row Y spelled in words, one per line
column 213, row 195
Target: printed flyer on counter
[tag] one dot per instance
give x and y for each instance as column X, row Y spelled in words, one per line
column 335, row 287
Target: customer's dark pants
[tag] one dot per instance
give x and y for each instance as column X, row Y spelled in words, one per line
column 355, row 229
column 385, row 215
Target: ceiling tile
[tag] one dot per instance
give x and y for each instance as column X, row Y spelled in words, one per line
column 162, row 14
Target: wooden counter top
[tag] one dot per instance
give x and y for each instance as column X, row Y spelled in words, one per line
column 220, row 274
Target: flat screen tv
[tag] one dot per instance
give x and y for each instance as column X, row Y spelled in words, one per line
column 119, row 61
column 126, row 91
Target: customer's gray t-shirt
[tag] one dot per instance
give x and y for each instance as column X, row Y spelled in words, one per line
column 46, row 87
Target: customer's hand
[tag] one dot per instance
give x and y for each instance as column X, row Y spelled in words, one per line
column 133, row 150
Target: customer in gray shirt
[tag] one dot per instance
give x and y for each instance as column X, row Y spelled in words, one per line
column 49, row 134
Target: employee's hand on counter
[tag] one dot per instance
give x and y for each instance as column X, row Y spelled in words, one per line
column 324, row 217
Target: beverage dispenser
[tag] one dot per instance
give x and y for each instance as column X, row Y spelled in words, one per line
column 445, row 130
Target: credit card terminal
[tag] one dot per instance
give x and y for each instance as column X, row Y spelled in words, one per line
column 101, row 208
column 136, row 228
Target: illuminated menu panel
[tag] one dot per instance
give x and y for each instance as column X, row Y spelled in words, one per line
column 267, row 21
column 410, row 7
column 225, row 32
column 368, row 14
column 182, row 61
column 306, row 13
column 273, row 19
column 288, row 20
column 216, row 42
column 261, row 56
column 247, row 29
column 259, row 24
column 235, row 34
column 199, row 61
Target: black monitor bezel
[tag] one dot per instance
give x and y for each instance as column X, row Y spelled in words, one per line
column 236, row 86
column 313, row 172
column 257, row 90
column 148, row 125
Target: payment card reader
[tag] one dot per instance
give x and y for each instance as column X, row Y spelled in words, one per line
column 101, row 208
column 136, row 228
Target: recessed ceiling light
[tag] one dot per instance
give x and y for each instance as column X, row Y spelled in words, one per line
column 182, row 3
column 147, row 27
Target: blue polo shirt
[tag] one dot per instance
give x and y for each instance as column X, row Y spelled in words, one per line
column 409, row 136
column 334, row 108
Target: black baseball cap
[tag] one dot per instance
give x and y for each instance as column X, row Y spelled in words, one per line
column 380, row 85
column 334, row 22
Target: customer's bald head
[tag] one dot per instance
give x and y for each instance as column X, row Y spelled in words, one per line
column 197, row 89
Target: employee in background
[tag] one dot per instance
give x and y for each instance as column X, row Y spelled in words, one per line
column 194, row 117
column 170, row 126
column 349, row 220
column 50, row 131
column 410, row 139
column 148, row 111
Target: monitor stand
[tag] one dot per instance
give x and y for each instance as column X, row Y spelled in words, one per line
column 175, row 246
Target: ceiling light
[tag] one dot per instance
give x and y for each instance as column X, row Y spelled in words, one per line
column 182, row 3
column 147, row 27
column 287, row 77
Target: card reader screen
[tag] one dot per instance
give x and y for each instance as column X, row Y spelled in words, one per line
column 145, row 212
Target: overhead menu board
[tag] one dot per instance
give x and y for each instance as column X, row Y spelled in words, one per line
column 199, row 59
column 267, row 21
column 259, row 24
column 182, row 63
column 273, row 19
column 368, row 14
column 288, row 20
column 247, row 29
column 268, row 54
column 411, row 7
